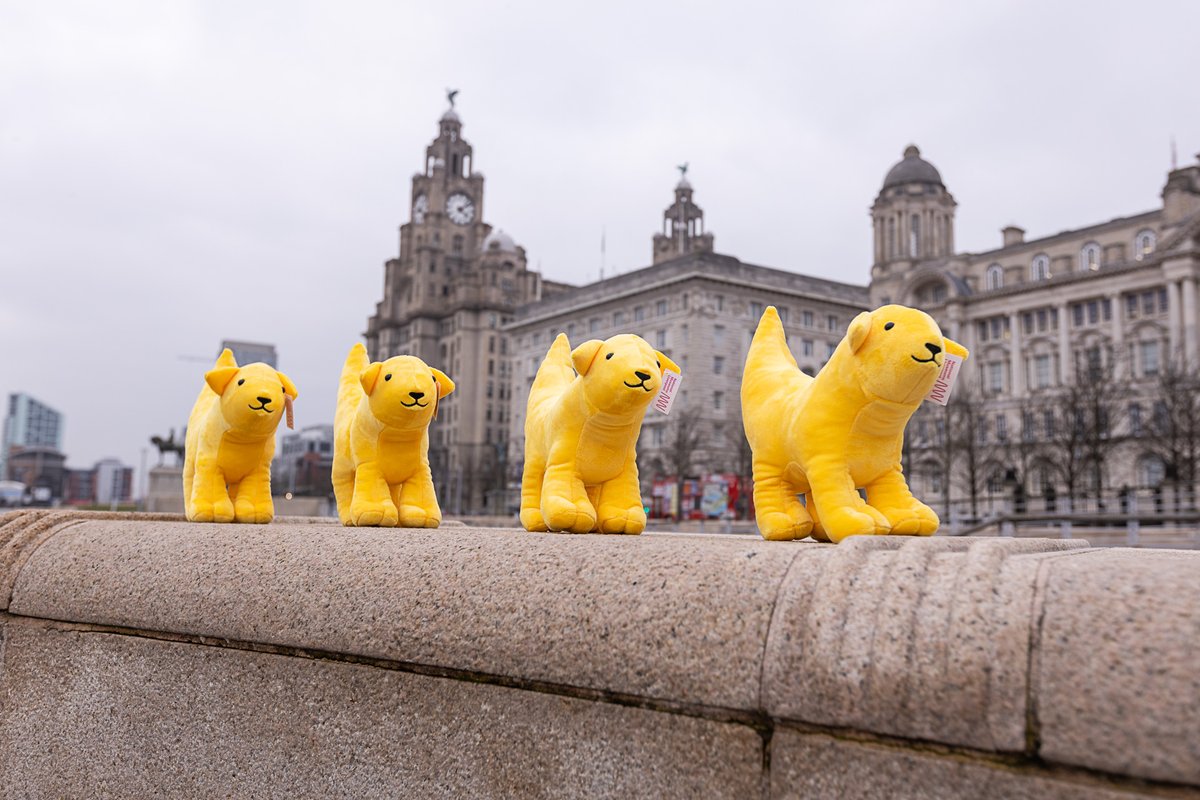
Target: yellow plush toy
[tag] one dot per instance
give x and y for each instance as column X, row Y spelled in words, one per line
column 584, row 415
column 829, row 435
column 381, row 441
column 230, row 442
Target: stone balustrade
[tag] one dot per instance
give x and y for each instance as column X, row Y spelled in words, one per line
column 145, row 656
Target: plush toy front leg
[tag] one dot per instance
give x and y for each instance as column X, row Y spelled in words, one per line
column 253, row 503
column 417, row 502
column 890, row 496
column 843, row 513
column 619, row 508
column 565, row 504
column 777, row 510
column 372, row 502
column 210, row 499
column 531, row 496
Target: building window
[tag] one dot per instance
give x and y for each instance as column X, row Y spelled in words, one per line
column 660, row 339
column 1048, row 422
column 1151, row 471
column 831, row 347
column 1135, row 419
column 995, row 277
column 1041, row 371
column 1148, row 353
column 720, row 302
column 718, row 365
column 995, row 377
column 639, row 313
column 914, row 237
column 756, row 310
column 806, row 346
column 1077, row 314
column 618, row 318
column 1002, row 427
column 1039, row 270
column 1143, row 244
column 806, row 319
column 718, row 335
column 783, row 314
column 1028, row 426
column 1089, row 257
column 594, row 325
column 660, row 308
column 718, row 400
column 832, row 321
column 656, row 436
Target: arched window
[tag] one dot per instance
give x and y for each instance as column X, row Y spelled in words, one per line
column 1039, row 270
column 1089, row 257
column 1143, row 244
column 995, row 277
column 914, row 237
column 1151, row 471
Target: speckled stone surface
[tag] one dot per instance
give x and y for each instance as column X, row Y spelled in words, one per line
column 1117, row 663
column 120, row 716
column 817, row 767
column 681, row 618
column 923, row 638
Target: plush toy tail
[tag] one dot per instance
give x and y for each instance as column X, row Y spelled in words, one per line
column 770, row 365
column 555, row 372
column 350, row 391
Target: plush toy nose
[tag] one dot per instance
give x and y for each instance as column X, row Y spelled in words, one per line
column 933, row 349
column 417, row 395
column 643, row 375
column 263, row 400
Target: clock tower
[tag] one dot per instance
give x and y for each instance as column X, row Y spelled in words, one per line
column 445, row 299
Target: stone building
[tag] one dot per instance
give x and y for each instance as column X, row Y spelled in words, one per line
column 1117, row 298
column 455, row 282
column 701, row 309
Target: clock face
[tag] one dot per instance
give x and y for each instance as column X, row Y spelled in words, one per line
column 420, row 208
column 460, row 208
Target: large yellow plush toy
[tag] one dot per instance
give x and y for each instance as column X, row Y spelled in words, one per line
column 230, row 442
column 584, row 415
column 381, row 470
column 828, row 436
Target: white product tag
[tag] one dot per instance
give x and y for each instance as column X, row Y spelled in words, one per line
column 940, row 393
column 666, row 395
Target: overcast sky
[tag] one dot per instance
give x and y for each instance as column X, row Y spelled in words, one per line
column 175, row 173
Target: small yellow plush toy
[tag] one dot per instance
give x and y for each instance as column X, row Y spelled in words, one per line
column 230, row 442
column 584, row 415
column 829, row 435
column 381, row 470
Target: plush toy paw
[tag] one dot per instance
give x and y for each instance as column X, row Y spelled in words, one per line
column 611, row 519
column 777, row 526
column 915, row 520
column 843, row 522
column 417, row 517
column 220, row 511
column 563, row 515
column 532, row 520
column 246, row 510
column 382, row 514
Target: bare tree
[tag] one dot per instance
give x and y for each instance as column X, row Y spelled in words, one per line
column 964, row 429
column 742, row 461
column 1173, row 431
column 684, row 440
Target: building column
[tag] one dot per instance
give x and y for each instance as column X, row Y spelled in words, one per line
column 1016, row 359
column 1064, row 344
column 1173, row 321
column 1121, row 352
column 1189, row 321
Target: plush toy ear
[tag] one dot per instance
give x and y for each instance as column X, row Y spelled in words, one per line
column 667, row 363
column 289, row 388
column 859, row 329
column 444, row 384
column 954, row 348
column 583, row 356
column 370, row 377
column 217, row 379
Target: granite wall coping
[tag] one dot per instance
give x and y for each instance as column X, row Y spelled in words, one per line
column 1044, row 651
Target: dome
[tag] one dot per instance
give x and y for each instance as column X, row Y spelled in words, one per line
column 684, row 183
column 450, row 116
column 913, row 169
column 499, row 240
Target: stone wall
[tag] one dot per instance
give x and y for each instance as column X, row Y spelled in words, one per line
column 148, row 656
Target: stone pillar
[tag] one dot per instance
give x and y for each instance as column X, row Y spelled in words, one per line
column 1016, row 359
column 1122, row 353
column 1189, row 321
column 1173, row 320
column 1064, row 344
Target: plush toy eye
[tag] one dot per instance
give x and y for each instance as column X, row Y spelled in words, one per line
column 387, row 377
column 610, row 355
column 658, row 364
column 889, row 326
column 240, row 382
